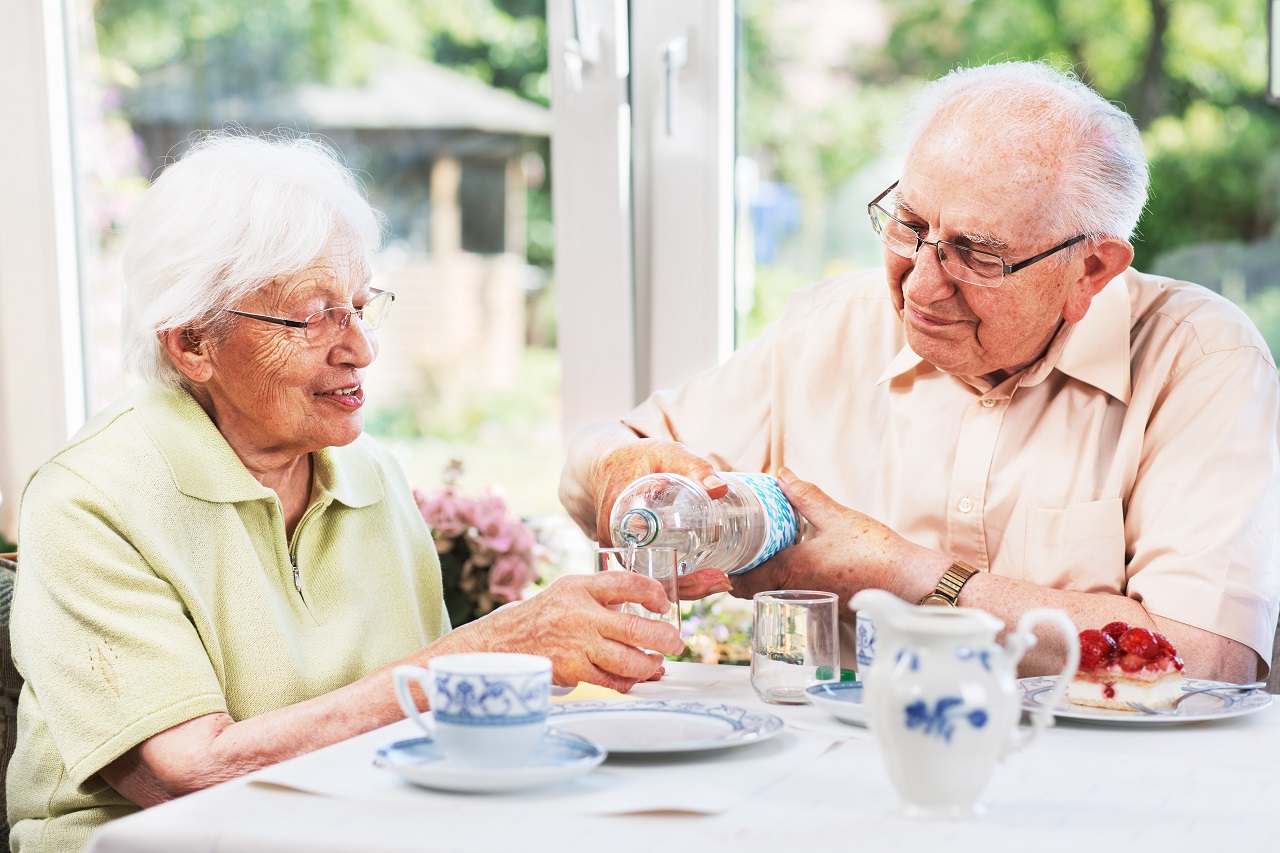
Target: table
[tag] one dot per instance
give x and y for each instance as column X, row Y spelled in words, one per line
column 819, row 786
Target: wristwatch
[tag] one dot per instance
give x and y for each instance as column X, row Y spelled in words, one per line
column 947, row 591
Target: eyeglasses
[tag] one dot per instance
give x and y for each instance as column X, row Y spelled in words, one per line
column 973, row 266
column 327, row 324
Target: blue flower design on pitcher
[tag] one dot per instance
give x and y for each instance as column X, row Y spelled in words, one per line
column 941, row 721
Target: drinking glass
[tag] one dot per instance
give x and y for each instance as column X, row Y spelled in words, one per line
column 657, row 563
column 794, row 644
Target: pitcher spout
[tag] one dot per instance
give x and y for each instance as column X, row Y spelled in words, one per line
column 884, row 607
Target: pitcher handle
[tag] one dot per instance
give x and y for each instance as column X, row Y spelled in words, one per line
column 1021, row 640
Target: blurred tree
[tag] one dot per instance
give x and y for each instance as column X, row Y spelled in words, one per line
column 252, row 45
column 1191, row 72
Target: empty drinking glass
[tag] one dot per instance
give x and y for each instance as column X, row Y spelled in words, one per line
column 794, row 644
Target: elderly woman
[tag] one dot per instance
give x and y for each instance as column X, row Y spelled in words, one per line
column 220, row 571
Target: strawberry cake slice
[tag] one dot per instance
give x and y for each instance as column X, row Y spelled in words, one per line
column 1120, row 664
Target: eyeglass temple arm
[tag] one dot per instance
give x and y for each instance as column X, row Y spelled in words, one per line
column 1012, row 268
column 293, row 324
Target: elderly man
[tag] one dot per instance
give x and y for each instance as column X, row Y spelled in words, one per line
column 1019, row 419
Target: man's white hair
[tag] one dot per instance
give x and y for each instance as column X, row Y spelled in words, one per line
column 235, row 212
column 1102, row 188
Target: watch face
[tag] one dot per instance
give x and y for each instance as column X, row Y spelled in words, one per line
column 933, row 599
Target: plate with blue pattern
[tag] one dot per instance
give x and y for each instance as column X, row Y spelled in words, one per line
column 1199, row 708
column 840, row 699
column 640, row 726
column 558, row 757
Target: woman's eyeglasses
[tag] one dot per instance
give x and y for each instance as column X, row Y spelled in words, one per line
column 328, row 324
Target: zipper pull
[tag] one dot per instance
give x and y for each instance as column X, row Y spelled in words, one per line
column 297, row 576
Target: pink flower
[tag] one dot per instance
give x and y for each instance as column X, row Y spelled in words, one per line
column 447, row 513
column 508, row 577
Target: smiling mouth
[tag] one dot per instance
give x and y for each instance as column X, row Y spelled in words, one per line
column 350, row 395
column 928, row 319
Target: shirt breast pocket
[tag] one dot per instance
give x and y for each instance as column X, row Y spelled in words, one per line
column 1080, row 547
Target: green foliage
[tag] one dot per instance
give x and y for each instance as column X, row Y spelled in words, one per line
column 5, row 545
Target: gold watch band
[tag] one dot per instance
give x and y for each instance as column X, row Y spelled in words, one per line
column 947, row 592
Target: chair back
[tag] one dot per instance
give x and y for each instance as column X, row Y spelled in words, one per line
column 10, row 687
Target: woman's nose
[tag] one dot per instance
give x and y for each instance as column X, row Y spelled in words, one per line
column 357, row 344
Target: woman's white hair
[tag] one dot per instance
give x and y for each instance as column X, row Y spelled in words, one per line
column 1102, row 188
column 235, row 212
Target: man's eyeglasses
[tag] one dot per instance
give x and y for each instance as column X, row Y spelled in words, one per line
column 973, row 266
column 326, row 325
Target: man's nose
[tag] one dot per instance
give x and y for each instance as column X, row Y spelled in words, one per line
column 928, row 281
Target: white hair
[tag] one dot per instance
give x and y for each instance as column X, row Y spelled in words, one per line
column 1102, row 188
column 235, row 212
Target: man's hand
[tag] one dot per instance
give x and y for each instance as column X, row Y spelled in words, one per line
column 571, row 622
column 846, row 551
column 624, row 465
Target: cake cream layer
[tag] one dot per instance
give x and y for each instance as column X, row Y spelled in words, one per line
column 1103, row 689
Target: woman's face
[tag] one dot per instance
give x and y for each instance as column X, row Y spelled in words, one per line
column 273, row 391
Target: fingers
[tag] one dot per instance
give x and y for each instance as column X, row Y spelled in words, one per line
column 637, row 632
column 628, row 463
column 702, row 583
column 809, row 500
column 614, row 587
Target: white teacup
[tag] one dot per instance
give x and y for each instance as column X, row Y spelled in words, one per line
column 488, row 709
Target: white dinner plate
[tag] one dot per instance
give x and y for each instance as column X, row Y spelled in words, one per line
column 1198, row 708
column 560, row 756
column 660, row 725
column 840, row 699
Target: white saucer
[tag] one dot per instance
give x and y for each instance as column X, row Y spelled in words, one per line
column 840, row 699
column 560, row 756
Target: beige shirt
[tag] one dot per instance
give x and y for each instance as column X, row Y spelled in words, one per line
column 1138, row 457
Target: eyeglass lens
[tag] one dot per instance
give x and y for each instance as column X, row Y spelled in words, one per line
column 330, row 322
column 969, row 265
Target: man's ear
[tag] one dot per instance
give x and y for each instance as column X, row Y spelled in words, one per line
column 188, row 351
column 1107, row 258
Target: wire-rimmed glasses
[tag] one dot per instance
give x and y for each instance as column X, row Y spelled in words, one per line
column 327, row 324
column 970, row 265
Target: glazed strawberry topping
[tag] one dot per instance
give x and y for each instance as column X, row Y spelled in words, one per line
column 1096, row 649
column 1115, row 629
column 1129, row 648
column 1140, row 642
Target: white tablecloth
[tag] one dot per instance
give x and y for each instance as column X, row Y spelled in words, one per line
column 819, row 786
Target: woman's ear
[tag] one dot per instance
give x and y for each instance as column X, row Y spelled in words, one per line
column 188, row 351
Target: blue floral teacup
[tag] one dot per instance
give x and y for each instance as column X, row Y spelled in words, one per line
column 488, row 709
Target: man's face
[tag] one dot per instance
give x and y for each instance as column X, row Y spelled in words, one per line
column 964, row 186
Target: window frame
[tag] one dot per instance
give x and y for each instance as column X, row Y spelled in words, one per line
column 42, row 394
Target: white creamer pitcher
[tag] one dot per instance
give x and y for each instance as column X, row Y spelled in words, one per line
column 942, row 700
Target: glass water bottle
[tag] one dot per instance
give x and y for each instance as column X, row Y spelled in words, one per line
column 734, row 533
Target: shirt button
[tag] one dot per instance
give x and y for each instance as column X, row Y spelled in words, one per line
column 965, row 504
column 986, row 404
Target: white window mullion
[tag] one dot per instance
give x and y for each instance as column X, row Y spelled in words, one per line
column 682, row 103
column 588, row 53
column 41, row 364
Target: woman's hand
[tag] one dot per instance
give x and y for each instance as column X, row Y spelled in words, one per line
column 571, row 622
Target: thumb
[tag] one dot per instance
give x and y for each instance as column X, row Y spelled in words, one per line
column 809, row 500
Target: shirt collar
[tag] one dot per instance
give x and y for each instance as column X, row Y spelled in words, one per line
column 1094, row 351
column 204, row 466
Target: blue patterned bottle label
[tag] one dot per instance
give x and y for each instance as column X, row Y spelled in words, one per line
column 780, row 518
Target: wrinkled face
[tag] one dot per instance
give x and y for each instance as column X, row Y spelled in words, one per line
column 273, row 390
column 964, row 186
